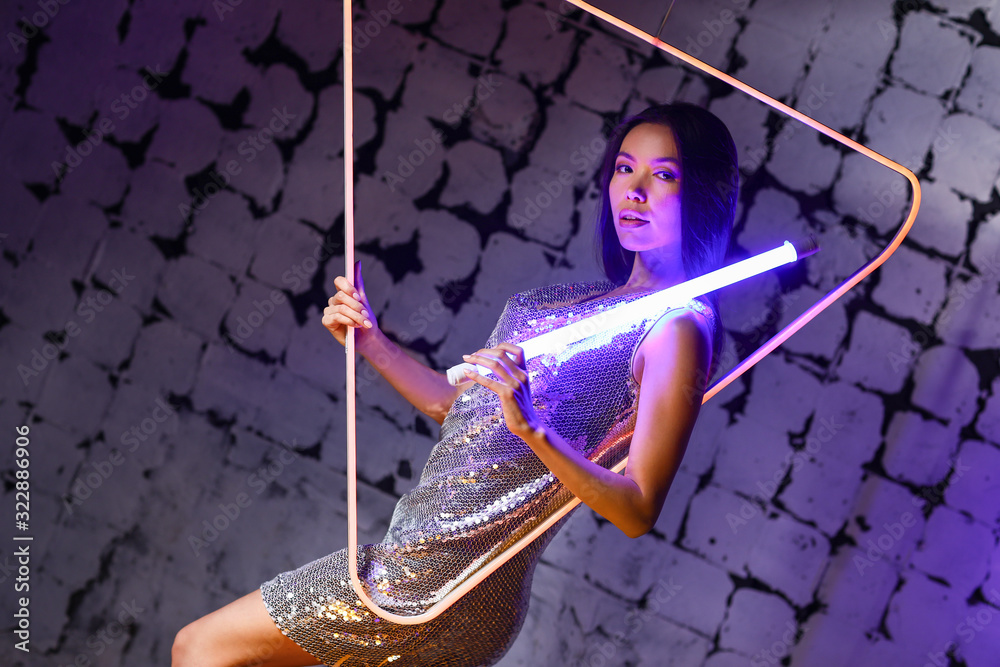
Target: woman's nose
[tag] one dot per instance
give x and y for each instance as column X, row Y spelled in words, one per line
column 636, row 191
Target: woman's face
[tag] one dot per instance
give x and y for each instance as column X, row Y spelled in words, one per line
column 645, row 191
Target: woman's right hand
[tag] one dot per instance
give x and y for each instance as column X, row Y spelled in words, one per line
column 349, row 308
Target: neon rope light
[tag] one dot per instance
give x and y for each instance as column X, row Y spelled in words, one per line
column 765, row 349
column 557, row 340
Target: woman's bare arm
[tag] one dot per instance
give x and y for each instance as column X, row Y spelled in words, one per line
column 426, row 389
column 675, row 356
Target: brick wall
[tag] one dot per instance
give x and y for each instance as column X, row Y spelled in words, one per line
column 173, row 221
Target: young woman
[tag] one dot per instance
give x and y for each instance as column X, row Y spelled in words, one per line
column 517, row 443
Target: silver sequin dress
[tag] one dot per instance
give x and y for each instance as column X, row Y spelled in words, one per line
column 482, row 488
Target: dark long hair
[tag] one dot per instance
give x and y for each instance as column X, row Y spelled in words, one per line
column 709, row 189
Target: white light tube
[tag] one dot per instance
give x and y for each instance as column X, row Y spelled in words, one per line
column 553, row 342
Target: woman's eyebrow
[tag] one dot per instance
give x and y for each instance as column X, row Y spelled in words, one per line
column 655, row 160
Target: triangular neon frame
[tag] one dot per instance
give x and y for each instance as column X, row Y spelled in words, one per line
column 719, row 385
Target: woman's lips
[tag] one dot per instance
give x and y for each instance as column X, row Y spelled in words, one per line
column 631, row 219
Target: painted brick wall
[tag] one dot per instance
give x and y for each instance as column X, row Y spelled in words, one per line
column 171, row 176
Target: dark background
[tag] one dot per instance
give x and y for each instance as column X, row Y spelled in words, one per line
column 161, row 287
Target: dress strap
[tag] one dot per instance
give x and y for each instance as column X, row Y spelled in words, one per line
column 696, row 305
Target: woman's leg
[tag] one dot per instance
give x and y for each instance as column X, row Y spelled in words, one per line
column 240, row 634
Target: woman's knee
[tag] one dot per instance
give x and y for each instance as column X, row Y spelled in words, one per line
column 190, row 648
column 241, row 633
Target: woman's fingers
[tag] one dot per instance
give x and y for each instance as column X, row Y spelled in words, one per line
column 347, row 301
column 500, row 383
column 342, row 314
column 490, row 363
column 506, row 363
column 347, row 309
column 348, row 304
column 515, row 352
column 498, row 361
column 479, row 378
column 345, row 288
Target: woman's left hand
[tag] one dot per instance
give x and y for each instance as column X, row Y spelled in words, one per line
column 509, row 382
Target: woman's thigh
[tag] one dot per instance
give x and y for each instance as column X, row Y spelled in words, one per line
column 240, row 634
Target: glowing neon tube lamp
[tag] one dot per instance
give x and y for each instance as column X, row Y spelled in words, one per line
column 557, row 340
column 491, row 566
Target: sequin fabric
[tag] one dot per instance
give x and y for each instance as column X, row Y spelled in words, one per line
column 482, row 488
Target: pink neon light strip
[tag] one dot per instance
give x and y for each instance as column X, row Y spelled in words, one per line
column 742, row 367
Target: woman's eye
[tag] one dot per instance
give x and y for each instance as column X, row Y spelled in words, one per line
column 666, row 175
column 623, row 169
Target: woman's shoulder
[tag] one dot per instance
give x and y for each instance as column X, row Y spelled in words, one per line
column 663, row 326
column 697, row 311
column 683, row 329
